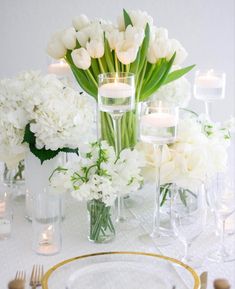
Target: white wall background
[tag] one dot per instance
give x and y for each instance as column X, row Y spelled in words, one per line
column 205, row 27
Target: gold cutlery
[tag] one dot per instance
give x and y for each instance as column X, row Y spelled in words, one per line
column 19, row 281
column 36, row 276
column 203, row 279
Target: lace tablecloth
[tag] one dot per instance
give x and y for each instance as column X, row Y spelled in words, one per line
column 16, row 253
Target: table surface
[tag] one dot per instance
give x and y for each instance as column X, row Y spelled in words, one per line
column 16, row 253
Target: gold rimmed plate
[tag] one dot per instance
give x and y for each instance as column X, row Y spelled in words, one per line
column 115, row 270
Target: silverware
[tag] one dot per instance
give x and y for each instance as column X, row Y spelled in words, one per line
column 19, row 281
column 203, row 278
column 36, row 276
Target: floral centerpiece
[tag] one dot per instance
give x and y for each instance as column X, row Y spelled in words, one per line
column 97, row 177
column 200, row 152
column 134, row 45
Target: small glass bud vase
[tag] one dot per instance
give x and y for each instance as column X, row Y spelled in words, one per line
column 101, row 224
column 46, row 223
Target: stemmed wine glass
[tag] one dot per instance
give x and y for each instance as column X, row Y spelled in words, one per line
column 188, row 218
column 116, row 96
column 222, row 199
column 158, row 126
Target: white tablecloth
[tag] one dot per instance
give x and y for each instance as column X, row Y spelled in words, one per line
column 16, row 253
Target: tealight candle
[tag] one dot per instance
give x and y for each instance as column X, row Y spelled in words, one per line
column 60, row 68
column 46, row 245
column 159, row 119
column 116, row 97
column 209, row 85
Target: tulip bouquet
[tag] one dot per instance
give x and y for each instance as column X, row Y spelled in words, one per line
column 135, row 45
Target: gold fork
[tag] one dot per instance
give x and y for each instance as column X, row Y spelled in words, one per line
column 19, row 281
column 36, row 276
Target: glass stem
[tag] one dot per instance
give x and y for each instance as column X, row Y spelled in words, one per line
column 222, row 238
column 116, row 118
column 156, row 217
column 207, row 110
column 186, row 249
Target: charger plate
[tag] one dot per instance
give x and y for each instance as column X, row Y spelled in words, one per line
column 121, row 270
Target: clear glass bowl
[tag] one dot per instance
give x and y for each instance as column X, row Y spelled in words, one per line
column 115, row 270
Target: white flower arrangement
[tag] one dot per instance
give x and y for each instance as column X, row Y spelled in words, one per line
column 40, row 111
column 99, row 175
column 198, row 154
column 176, row 93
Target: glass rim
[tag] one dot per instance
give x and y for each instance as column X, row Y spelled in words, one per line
column 114, row 75
column 207, row 70
column 164, row 105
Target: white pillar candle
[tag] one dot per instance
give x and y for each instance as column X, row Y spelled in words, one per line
column 159, row 120
column 209, row 80
column 60, row 68
column 116, row 90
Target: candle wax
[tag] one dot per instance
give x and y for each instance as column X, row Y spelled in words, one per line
column 60, row 68
column 116, row 90
column 159, row 120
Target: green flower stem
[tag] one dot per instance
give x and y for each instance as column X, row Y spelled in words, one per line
column 101, row 65
column 92, row 77
column 116, row 62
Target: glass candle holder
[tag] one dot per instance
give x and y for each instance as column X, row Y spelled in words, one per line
column 116, row 96
column 209, row 86
column 158, row 126
column 46, row 223
column 61, row 69
column 6, row 215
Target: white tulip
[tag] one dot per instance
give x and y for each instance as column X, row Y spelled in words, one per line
column 83, row 36
column 80, row 22
column 158, row 49
column 95, row 48
column 134, row 34
column 151, row 55
column 69, row 38
column 126, row 52
column 140, row 18
column 162, row 33
column 81, row 58
column 114, row 37
column 181, row 53
column 55, row 47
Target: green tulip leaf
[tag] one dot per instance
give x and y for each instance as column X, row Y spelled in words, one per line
column 127, row 18
column 178, row 73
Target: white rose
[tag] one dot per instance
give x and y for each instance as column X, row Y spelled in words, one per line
column 95, row 48
column 55, row 47
column 69, row 38
column 181, row 53
column 81, row 58
column 80, row 22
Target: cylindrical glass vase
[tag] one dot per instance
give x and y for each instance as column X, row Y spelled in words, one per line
column 46, row 223
column 101, row 228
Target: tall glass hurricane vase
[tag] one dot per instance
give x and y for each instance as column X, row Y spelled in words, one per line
column 158, row 126
column 116, row 98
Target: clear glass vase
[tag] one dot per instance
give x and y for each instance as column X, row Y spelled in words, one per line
column 100, row 221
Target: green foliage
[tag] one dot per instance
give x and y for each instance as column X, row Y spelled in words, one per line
column 42, row 154
column 127, row 19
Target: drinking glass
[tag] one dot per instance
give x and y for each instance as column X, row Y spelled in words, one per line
column 189, row 218
column 116, row 96
column 209, row 86
column 6, row 214
column 46, row 223
column 222, row 199
column 158, row 126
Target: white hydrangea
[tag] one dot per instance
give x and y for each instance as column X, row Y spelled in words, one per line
column 192, row 159
column 97, row 174
column 58, row 115
column 177, row 93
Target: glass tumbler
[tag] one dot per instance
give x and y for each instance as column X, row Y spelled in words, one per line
column 46, row 223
